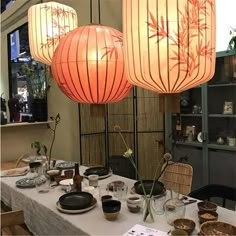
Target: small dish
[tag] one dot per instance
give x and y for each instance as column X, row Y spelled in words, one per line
column 66, row 182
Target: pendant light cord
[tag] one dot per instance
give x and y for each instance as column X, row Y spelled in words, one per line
column 99, row 12
column 91, row 12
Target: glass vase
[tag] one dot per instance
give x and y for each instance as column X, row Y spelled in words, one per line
column 42, row 180
column 148, row 210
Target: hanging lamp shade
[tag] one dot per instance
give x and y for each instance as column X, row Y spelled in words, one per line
column 88, row 65
column 169, row 44
column 47, row 24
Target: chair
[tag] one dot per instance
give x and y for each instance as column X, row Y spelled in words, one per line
column 177, row 177
column 215, row 191
column 12, row 223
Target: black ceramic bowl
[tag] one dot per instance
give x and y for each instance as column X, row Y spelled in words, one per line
column 75, row 200
column 111, row 206
column 157, row 190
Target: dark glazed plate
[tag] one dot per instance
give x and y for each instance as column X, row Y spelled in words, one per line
column 90, row 207
column 157, row 190
column 98, row 170
column 75, row 200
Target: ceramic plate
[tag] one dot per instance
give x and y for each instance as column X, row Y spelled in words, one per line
column 132, row 191
column 90, row 207
column 101, row 177
column 75, row 200
column 97, row 170
column 66, row 182
column 199, row 137
column 15, row 172
column 25, row 183
column 66, row 165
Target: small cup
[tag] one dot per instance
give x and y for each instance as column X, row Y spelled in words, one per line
column 159, row 203
column 93, row 180
column 134, row 203
column 111, row 209
column 120, row 191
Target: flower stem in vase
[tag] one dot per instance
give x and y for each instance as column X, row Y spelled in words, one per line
column 148, row 216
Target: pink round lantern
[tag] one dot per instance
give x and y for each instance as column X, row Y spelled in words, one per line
column 88, row 65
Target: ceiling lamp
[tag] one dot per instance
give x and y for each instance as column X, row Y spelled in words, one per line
column 88, row 65
column 169, row 44
column 47, row 24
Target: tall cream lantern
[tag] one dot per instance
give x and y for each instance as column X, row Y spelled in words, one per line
column 47, row 24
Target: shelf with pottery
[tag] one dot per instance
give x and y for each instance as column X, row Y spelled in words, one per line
column 188, row 143
column 25, row 124
column 222, row 85
column 222, row 115
column 221, row 147
column 189, row 115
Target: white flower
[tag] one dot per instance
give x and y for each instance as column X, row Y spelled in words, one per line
column 128, row 153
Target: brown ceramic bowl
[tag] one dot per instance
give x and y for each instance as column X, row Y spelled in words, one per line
column 205, row 216
column 184, row 224
column 207, row 206
column 217, row 228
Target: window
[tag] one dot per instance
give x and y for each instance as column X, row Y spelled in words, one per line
column 27, row 80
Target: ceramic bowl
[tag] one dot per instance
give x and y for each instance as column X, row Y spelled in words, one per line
column 111, row 209
column 184, row 224
column 134, row 203
column 205, row 216
column 207, row 206
column 217, row 228
column 178, row 232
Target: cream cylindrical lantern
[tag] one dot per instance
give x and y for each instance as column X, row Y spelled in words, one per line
column 169, row 44
column 47, row 24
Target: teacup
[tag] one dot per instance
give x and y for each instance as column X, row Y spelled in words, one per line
column 111, row 209
column 134, row 203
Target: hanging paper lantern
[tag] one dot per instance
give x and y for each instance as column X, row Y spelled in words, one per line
column 88, row 65
column 169, row 45
column 47, row 24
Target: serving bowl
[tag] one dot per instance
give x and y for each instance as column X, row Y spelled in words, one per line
column 207, row 206
column 184, row 224
column 158, row 187
column 212, row 228
column 205, row 216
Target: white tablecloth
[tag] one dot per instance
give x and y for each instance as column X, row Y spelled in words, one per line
column 43, row 218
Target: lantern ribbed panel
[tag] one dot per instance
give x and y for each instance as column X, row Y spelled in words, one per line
column 169, row 44
column 47, row 24
column 88, row 65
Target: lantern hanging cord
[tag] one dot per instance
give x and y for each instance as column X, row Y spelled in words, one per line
column 91, row 12
column 99, row 12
